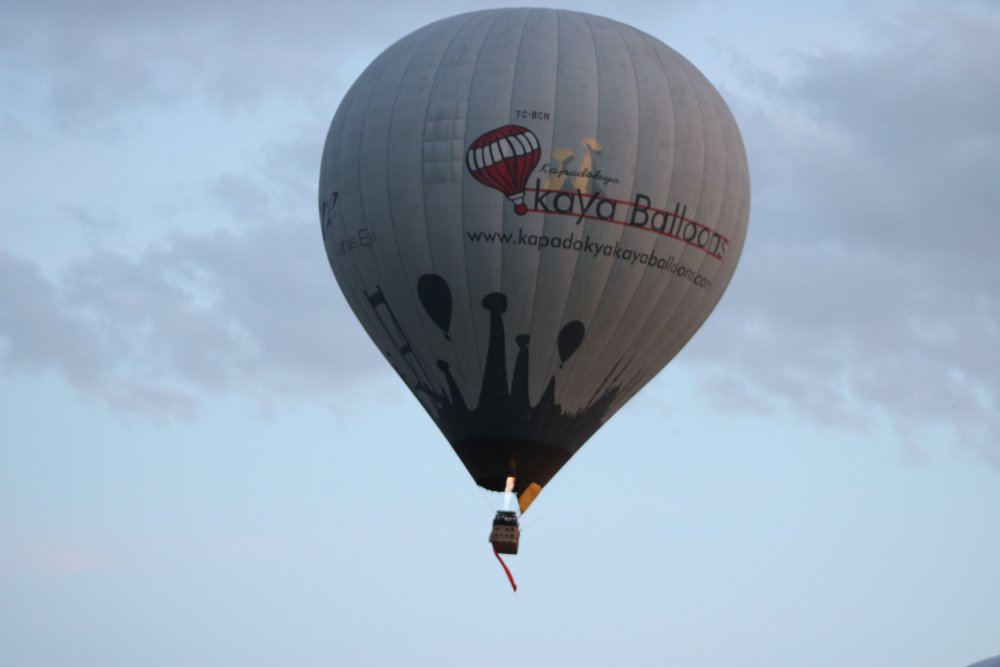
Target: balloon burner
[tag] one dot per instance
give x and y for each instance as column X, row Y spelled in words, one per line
column 505, row 534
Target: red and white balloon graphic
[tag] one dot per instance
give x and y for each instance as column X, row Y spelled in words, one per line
column 503, row 159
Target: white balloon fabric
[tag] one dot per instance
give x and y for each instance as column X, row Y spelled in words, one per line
column 531, row 212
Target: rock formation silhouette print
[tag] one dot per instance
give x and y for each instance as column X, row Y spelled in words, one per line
column 503, row 434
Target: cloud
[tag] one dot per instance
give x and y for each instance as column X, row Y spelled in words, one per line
column 867, row 294
column 868, row 290
column 254, row 312
column 988, row 662
column 86, row 67
column 35, row 329
column 91, row 63
column 165, row 273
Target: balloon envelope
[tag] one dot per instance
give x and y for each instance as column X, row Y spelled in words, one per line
column 530, row 212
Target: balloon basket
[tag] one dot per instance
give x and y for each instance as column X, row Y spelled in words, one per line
column 505, row 534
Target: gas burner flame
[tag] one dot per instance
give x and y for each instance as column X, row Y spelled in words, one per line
column 508, row 494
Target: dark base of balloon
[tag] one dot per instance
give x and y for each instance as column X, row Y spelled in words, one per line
column 505, row 434
column 491, row 460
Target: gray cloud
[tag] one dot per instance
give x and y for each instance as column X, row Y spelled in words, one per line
column 36, row 329
column 867, row 294
column 93, row 61
column 254, row 312
column 868, row 289
column 151, row 317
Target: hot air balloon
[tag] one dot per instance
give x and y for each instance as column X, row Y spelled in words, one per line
column 531, row 211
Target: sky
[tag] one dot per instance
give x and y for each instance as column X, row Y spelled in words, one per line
column 204, row 461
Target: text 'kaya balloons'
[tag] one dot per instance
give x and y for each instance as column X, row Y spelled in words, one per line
column 531, row 212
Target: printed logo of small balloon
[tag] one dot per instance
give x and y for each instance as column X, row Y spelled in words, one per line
column 503, row 159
